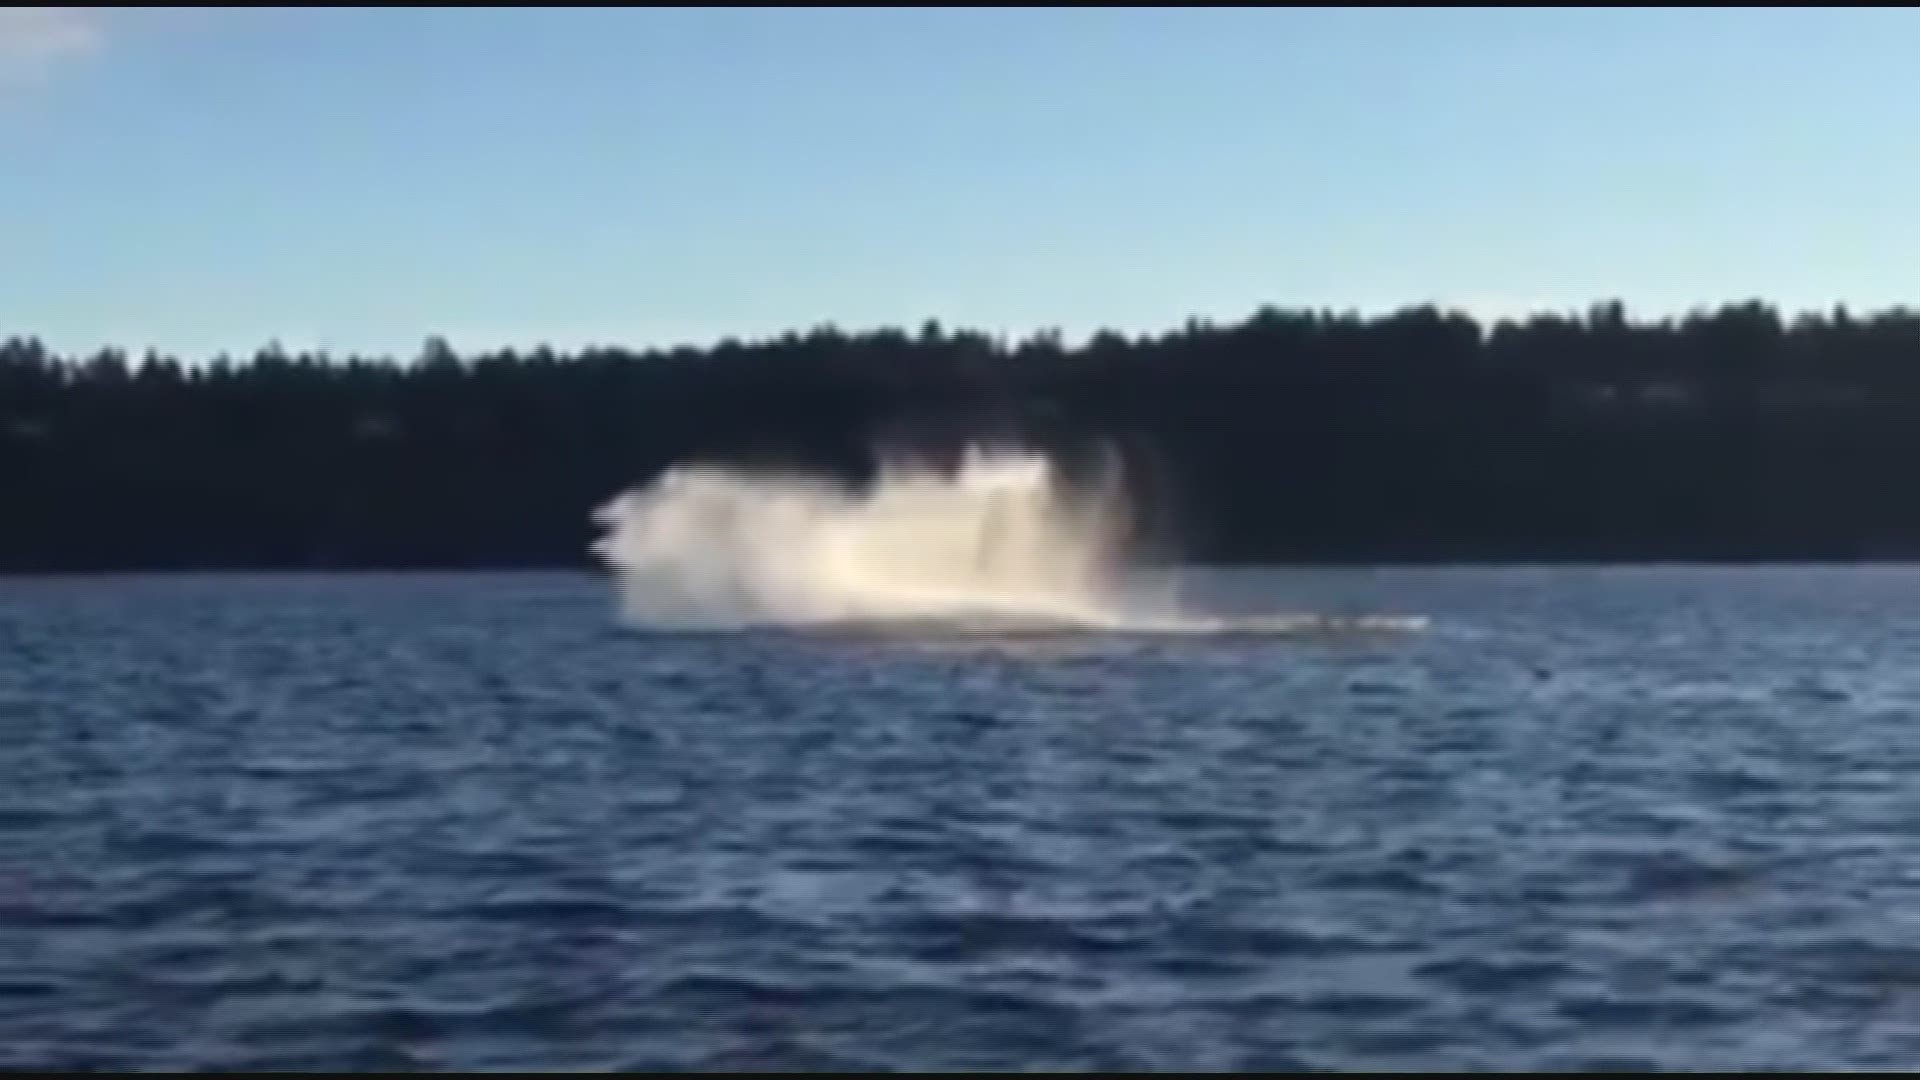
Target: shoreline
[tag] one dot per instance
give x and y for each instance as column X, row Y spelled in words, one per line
column 1291, row 565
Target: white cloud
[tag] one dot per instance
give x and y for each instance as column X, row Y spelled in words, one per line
column 36, row 40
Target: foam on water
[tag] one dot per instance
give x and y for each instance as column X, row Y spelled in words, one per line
column 1000, row 544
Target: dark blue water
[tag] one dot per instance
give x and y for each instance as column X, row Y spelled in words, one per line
column 1588, row 819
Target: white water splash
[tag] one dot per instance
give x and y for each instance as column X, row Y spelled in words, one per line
column 999, row 544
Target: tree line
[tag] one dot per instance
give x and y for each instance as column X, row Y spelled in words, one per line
column 1731, row 433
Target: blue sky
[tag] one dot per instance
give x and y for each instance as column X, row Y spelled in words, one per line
column 355, row 180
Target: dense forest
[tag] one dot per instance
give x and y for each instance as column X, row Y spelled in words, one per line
column 1421, row 435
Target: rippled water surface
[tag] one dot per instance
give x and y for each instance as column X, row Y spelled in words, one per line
column 1587, row 819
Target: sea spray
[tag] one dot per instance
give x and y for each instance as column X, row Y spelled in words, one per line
column 1001, row 540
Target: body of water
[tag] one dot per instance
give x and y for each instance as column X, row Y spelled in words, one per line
column 1586, row 819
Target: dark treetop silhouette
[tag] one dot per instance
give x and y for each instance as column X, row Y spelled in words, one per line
column 1293, row 436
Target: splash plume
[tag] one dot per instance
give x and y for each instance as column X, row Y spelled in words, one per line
column 1000, row 543
column 1001, row 540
